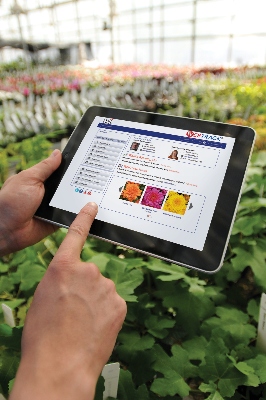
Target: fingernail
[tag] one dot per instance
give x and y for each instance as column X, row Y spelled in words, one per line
column 92, row 205
column 55, row 153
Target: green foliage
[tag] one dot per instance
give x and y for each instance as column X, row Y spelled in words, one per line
column 175, row 370
column 250, row 95
column 29, row 151
column 21, row 155
column 3, row 165
column 127, row 390
column 13, row 66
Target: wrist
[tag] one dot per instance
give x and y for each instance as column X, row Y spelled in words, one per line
column 41, row 382
column 4, row 242
column 6, row 234
column 7, row 243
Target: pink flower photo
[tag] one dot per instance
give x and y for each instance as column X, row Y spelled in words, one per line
column 153, row 197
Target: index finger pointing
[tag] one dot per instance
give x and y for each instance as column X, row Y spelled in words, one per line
column 78, row 231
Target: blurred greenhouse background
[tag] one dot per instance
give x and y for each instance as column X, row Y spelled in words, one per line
column 187, row 336
column 180, row 32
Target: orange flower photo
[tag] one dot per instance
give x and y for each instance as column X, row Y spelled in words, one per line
column 176, row 202
column 132, row 192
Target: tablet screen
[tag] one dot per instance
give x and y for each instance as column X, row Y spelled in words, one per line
column 159, row 181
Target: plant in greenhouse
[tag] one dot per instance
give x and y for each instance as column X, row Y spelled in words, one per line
column 56, row 99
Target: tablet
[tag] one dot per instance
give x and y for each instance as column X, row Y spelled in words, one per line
column 166, row 186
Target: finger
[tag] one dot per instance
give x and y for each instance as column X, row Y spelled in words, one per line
column 45, row 168
column 78, row 231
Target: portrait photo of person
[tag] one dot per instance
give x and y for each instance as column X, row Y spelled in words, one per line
column 134, row 146
column 174, row 155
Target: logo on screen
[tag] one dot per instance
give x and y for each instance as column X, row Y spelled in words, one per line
column 192, row 134
column 107, row 121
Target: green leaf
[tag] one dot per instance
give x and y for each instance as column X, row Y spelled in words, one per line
column 191, row 308
column 13, row 303
column 50, row 245
column 28, row 275
column 252, row 379
column 3, row 267
column 10, row 385
column 215, row 396
column 231, row 325
column 254, row 258
column 141, row 366
column 219, row 369
column 10, row 337
column 8, row 367
column 259, row 366
column 127, row 390
column 5, row 284
column 215, row 293
column 133, row 342
column 22, row 312
column 252, row 204
column 99, row 389
column 171, row 384
column 59, row 236
column 232, row 314
column 195, row 348
column 19, row 257
column 135, row 262
column 247, row 225
column 180, row 361
column 253, row 309
column 101, row 260
column 257, row 264
column 240, row 262
column 243, row 352
column 211, row 388
column 157, row 326
column 175, row 272
column 139, row 311
column 88, row 253
column 125, row 280
column 208, row 387
column 175, row 370
column 259, row 158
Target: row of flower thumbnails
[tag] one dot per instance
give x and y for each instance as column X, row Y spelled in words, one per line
column 154, row 197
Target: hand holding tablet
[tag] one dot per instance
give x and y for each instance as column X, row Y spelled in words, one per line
column 165, row 186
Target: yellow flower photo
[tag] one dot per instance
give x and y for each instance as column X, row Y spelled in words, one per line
column 176, row 202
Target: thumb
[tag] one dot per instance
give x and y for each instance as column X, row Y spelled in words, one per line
column 45, row 168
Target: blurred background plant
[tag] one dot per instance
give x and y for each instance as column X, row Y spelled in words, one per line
column 54, row 100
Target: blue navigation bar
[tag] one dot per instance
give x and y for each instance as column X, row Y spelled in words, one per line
column 161, row 135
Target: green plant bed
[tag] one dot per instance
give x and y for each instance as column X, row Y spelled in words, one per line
column 185, row 333
column 52, row 99
column 27, row 152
